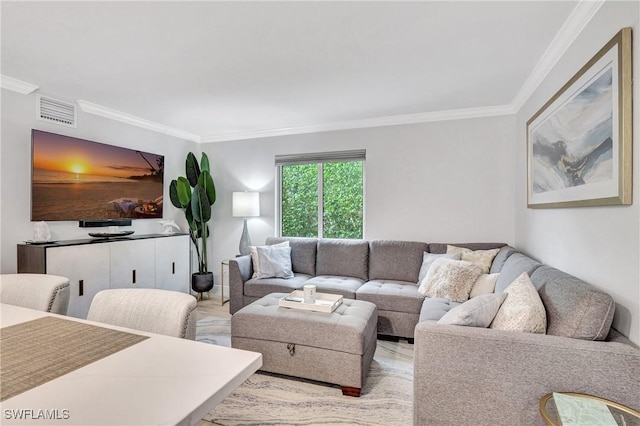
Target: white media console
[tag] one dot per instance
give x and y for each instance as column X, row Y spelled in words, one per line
column 146, row 261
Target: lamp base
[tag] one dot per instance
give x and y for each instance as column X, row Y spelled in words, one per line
column 245, row 240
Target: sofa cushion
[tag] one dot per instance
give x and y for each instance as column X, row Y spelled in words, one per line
column 501, row 258
column 344, row 286
column 434, row 308
column 450, row 279
column 429, row 258
column 514, row 266
column 574, row 308
column 442, row 247
column 522, row 310
column 478, row 312
column 256, row 287
column 395, row 260
column 397, row 296
column 343, row 258
column 303, row 253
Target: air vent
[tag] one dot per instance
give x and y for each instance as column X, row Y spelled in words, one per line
column 55, row 111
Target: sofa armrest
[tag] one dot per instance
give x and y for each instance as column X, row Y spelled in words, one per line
column 494, row 377
column 240, row 270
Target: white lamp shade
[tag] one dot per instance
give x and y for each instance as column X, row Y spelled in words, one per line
column 246, row 204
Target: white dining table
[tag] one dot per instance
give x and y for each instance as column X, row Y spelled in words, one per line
column 161, row 380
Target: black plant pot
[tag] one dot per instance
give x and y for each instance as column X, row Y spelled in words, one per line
column 202, row 282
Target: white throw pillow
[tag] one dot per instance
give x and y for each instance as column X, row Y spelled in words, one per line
column 485, row 284
column 482, row 258
column 254, row 256
column 522, row 310
column 477, row 312
column 429, row 258
column 274, row 262
column 450, row 279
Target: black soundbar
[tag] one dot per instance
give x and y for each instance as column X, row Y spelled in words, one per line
column 104, row 222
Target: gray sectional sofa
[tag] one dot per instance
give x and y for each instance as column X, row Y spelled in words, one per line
column 483, row 376
column 379, row 271
column 468, row 375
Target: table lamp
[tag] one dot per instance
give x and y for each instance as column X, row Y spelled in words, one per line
column 246, row 205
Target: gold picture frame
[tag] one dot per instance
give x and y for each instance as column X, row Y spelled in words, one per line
column 579, row 144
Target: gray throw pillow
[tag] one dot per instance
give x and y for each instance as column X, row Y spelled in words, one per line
column 429, row 258
column 274, row 262
column 477, row 312
column 254, row 256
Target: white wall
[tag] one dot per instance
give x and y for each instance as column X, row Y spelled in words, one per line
column 18, row 118
column 448, row 181
column 598, row 244
column 434, row 182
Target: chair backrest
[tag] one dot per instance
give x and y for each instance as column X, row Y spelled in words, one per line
column 157, row 311
column 48, row 293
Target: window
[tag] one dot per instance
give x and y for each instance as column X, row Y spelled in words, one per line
column 322, row 194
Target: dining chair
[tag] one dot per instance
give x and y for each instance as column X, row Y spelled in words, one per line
column 157, row 311
column 48, row 293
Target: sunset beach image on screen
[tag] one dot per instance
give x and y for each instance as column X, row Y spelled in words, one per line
column 76, row 179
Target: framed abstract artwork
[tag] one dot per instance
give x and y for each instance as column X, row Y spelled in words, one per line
column 579, row 144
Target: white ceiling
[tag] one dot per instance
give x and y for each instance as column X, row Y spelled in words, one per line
column 225, row 70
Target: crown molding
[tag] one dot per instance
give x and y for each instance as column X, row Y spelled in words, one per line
column 16, row 85
column 580, row 16
column 113, row 114
column 395, row 120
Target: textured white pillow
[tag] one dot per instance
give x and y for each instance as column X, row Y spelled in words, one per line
column 429, row 258
column 450, row 279
column 254, row 256
column 477, row 312
column 482, row 258
column 522, row 310
column 485, row 284
column 274, row 262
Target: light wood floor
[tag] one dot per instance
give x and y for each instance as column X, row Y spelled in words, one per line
column 210, row 306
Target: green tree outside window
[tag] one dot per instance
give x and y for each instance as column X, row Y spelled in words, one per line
column 300, row 200
column 340, row 185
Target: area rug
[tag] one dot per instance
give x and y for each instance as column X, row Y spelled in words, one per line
column 214, row 330
column 269, row 399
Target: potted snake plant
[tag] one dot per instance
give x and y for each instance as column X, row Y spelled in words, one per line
column 194, row 195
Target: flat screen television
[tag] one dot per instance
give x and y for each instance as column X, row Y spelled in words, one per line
column 77, row 179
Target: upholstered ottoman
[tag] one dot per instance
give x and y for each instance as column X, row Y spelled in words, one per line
column 332, row 347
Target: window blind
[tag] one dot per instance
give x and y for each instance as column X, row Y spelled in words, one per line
column 321, row 157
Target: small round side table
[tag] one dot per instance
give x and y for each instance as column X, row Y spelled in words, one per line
column 622, row 415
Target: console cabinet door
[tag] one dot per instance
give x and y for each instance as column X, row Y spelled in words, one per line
column 132, row 264
column 87, row 268
column 172, row 263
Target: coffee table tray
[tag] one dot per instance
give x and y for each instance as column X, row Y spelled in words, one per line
column 325, row 302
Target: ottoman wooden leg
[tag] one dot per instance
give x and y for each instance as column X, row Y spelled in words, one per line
column 349, row 391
